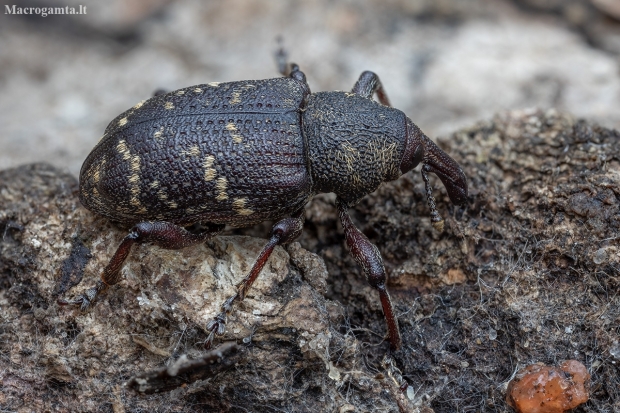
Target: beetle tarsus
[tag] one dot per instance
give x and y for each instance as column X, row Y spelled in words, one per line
column 85, row 300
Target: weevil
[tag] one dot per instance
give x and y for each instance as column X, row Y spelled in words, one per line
column 181, row 166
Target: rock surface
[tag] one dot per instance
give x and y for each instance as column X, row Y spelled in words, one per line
column 527, row 272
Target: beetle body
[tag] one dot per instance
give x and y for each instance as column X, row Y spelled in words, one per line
column 240, row 153
column 227, row 153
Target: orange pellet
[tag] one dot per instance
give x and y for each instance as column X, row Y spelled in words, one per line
column 542, row 389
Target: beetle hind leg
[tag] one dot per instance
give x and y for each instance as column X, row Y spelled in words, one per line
column 283, row 232
column 162, row 234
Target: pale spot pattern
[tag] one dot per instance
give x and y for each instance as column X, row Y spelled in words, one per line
column 158, row 133
column 239, row 205
column 221, row 185
column 134, row 177
column 210, row 172
column 234, row 133
column 192, row 151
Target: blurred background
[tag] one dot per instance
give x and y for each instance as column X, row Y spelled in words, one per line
column 446, row 63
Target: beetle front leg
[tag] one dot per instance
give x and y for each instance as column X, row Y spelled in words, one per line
column 283, row 232
column 162, row 234
column 368, row 257
column 368, row 84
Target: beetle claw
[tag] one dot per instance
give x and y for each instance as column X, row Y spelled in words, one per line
column 209, row 342
column 84, row 300
column 216, row 327
column 81, row 300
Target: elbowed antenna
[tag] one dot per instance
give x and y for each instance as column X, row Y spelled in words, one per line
column 441, row 164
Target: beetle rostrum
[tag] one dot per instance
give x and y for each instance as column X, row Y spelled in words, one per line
column 244, row 152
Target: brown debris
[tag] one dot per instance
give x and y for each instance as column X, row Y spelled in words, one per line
column 547, row 389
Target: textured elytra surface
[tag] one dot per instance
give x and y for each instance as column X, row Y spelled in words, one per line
column 526, row 273
column 223, row 153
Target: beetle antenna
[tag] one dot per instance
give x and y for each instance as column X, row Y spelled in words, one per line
column 436, row 219
column 441, row 164
column 281, row 56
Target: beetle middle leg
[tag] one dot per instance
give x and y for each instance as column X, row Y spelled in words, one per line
column 368, row 257
column 283, row 232
column 368, row 84
column 163, row 234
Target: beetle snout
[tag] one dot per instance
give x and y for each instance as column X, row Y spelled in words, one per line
column 446, row 168
column 454, row 181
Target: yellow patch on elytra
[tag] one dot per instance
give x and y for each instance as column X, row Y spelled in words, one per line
column 210, row 174
column 192, row 151
column 172, row 204
column 180, row 93
column 214, row 84
column 135, row 163
column 122, row 148
column 139, row 104
column 96, row 175
column 95, row 170
column 122, row 122
column 169, row 105
column 159, row 132
column 239, row 206
column 236, row 98
column 154, row 184
column 221, row 184
column 134, row 176
column 198, row 90
column 189, row 210
column 234, row 133
column 207, row 164
column 161, row 195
